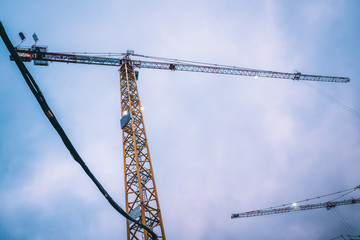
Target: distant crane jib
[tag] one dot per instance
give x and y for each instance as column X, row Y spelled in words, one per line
column 327, row 205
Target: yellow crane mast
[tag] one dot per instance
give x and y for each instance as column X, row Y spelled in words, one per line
column 141, row 197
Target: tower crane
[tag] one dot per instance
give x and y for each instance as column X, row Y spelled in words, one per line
column 294, row 208
column 141, row 198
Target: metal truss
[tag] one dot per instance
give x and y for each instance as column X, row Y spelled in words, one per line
column 237, row 71
column 327, row 205
column 27, row 55
column 141, row 196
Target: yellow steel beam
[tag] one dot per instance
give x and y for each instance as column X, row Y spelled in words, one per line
column 141, row 196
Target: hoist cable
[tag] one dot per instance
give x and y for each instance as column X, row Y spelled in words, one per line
column 50, row 115
column 181, row 61
column 344, row 220
column 355, row 229
column 343, row 195
column 344, row 106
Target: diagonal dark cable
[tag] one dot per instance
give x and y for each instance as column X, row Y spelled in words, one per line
column 46, row 109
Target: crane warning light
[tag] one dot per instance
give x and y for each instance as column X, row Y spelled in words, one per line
column 22, row 36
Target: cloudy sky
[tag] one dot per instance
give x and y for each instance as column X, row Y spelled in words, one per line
column 219, row 144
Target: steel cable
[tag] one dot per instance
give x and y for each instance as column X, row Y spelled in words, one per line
column 344, row 106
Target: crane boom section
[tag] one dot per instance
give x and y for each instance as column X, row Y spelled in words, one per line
column 237, row 71
column 327, row 205
column 28, row 55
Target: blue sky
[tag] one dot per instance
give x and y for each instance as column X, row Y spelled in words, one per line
column 219, row 144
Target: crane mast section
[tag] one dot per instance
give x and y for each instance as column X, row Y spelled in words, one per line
column 29, row 55
column 141, row 197
column 327, row 205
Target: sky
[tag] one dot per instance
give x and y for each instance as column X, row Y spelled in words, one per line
column 219, row 144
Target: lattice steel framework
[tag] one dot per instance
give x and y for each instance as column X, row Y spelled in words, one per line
column 28, row 55
column 327, row 205
column 142, row 201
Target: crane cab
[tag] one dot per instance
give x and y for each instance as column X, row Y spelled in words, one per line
column 39, row 54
